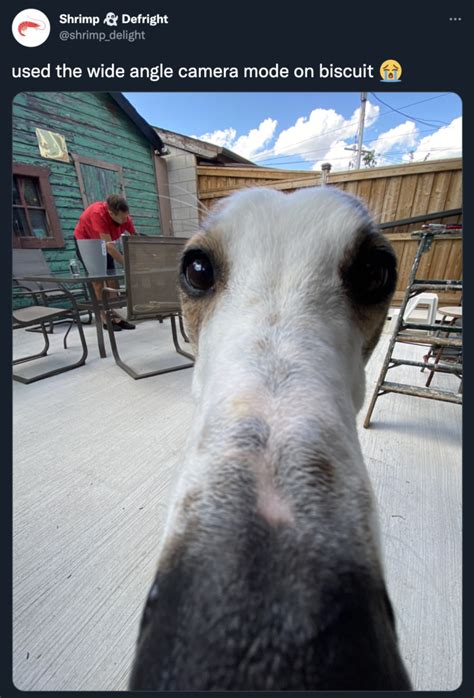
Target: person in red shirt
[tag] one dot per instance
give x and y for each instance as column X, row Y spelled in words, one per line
column 105, row 217
column 106, row 220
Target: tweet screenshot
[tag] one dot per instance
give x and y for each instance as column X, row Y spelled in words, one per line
column 235, row 451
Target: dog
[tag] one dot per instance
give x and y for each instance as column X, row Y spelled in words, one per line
column 270, row 573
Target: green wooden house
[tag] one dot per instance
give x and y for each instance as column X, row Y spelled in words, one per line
column 71, row 149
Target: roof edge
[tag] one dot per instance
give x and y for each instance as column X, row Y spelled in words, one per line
column 143, row 126
column 199, row 147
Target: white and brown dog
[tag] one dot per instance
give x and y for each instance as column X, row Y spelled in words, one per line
column 269, row 573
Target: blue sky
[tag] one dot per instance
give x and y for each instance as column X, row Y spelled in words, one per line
column 301, row 130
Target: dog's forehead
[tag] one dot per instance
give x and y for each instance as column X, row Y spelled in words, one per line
column 324, row 221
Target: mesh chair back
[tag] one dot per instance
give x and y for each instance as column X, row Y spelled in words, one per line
column 151, row 275
column 30, row 262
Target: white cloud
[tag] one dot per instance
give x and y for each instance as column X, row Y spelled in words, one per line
column 400, row 137
column 246, row 145
column 256, row 138
column 323, row 136
column 446, row 142
column 337, row 155
column 222, row 138
column 310, row 134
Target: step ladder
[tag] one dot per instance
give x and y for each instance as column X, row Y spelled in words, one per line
column 406, row 332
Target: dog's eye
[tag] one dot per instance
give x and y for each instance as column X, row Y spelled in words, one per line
column 197, row 273
column 372, row 276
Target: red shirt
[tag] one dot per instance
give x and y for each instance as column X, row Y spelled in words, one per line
column 96, row 220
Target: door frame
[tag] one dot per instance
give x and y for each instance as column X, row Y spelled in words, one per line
column 80, row 159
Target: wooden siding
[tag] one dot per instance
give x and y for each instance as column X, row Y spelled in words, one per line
column 95, row 127
column 443, row 261
column 391, row 193
column 217, row 181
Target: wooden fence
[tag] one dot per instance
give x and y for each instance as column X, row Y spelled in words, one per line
column 391, row 193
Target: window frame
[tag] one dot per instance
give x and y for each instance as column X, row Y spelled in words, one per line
column 56, row 238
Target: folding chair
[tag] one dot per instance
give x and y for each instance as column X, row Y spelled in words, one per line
column 151, row 293
column 41, row 315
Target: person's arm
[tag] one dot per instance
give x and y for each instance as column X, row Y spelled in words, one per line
column 113, row 252
column 111, row 249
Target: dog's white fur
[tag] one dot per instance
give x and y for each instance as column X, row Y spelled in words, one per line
column 284, row 254
column 273, row 455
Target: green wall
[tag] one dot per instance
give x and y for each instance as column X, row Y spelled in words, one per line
column 93, row 126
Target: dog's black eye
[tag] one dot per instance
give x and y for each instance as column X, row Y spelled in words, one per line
column 197, row 271
column 372, row 276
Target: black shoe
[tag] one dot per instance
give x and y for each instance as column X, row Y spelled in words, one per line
column 124, row 325
column 115, row 326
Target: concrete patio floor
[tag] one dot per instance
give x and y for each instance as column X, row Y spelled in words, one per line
column 93, row 454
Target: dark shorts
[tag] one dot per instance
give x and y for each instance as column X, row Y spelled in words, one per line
column 110, row 260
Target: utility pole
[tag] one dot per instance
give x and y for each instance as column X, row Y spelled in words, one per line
column 363, row 102
column 358, row 149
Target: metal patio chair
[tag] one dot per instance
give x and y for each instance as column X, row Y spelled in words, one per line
column 43, row 315
column 441, row 358
column 151, row 293
column 27, row 262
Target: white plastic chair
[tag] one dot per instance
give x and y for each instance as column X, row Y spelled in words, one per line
column 423, row 301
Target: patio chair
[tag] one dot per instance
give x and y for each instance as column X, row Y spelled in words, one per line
column 441, row 358
column 423, row 301
column 151, row 293
column 42, row 315
column 31, row 263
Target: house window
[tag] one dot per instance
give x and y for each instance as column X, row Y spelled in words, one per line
column 97, row 179
column 35, row 219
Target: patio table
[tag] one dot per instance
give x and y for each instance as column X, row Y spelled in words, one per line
column 95, row 305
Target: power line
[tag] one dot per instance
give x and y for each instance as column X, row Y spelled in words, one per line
column 391, row 155
column 325, row 149
column 342, row 128
column 407, row 115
